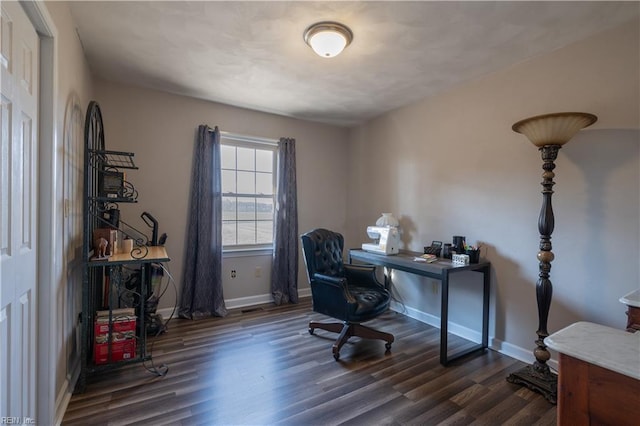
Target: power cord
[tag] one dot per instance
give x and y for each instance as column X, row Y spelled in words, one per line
column 162, row 369
column 393, row 292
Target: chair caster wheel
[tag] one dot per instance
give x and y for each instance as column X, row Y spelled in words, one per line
column 311, row 331
column 336, row 356
column 388, row 346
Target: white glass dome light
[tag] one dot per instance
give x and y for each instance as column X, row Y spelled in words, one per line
column 328, row 39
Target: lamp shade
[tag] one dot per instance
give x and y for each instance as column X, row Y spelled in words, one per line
column 553, row 129
column 328, row 39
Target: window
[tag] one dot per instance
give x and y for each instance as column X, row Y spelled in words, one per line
column 248, row 191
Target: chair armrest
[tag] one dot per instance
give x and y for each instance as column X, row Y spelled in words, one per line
column 362, row 275
column 340, row 282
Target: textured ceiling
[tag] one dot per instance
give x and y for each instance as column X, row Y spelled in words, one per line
column 251, row 54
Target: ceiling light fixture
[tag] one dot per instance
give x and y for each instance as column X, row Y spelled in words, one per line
column 327, row 38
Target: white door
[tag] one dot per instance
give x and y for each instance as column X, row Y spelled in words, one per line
column 18, row 196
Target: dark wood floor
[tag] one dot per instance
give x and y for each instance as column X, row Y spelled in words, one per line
column 263, row 367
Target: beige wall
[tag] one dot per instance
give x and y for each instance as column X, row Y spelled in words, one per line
column 72, row 90
column 160, row 129
column 451, row 165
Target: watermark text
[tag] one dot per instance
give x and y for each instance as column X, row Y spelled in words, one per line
column 15, row 420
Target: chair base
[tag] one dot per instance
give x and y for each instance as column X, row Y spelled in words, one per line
column 346, row 330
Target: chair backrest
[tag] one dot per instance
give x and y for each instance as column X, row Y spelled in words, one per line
column 323, row 252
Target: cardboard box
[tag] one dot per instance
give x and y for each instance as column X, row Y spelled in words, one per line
column 120, row 324
column 117, row 312
column 123, row 336
column 120, row 351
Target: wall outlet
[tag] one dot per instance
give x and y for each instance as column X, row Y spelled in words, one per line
column 233, row 273
column 258, row 272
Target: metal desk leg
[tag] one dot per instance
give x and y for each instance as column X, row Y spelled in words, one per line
column 486, row 273
column 387, row 277
column 444, row 358
column 444, row 318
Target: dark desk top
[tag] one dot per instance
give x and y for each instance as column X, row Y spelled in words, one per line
column 404, row 262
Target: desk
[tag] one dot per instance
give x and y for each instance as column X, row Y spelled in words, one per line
column 439, row 270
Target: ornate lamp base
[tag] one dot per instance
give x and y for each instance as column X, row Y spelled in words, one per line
column 538, row 378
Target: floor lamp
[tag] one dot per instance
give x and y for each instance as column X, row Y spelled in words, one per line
column 548, row 132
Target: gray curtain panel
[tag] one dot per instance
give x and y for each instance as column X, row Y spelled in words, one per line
column 284, row 271
column 202, row 279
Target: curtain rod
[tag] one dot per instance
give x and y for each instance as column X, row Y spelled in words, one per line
column 245, row 138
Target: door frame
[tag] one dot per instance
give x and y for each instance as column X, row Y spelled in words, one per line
column 48, row 213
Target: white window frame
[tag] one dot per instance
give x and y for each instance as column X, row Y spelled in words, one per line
column 232, row 139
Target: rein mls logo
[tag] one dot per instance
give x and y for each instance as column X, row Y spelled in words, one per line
column 17, row 421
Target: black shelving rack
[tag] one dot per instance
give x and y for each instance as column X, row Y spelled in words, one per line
column 99, row 292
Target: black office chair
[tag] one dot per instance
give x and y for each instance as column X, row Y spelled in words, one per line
column 350, row 293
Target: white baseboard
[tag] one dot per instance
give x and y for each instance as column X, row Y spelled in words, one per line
column 64, row 396
column 521, row 354
column 166, row 312
column 458, row 330
column 241, row 302
column 513, row 351
column 62, row 401
column 305, row 292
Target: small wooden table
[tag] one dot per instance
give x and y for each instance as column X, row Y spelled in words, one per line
column 439, row 270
